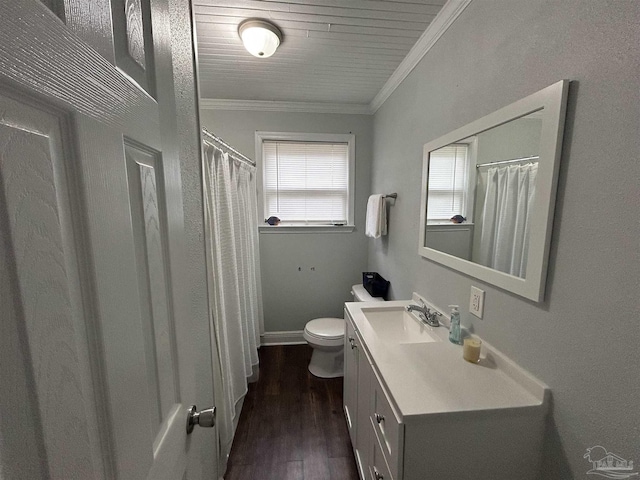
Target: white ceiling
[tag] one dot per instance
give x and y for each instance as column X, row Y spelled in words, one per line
column 333, row 51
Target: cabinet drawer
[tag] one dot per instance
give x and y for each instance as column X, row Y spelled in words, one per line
column 378, row 468
column 388, row 428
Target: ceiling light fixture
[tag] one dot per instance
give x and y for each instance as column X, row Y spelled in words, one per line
column 260, row 38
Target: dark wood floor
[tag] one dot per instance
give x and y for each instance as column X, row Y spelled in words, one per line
column 292, row 425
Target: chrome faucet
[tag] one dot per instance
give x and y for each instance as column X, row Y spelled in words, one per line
column 426, row 315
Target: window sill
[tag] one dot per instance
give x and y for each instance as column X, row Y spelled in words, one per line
column 448, row 225
column 306, row 228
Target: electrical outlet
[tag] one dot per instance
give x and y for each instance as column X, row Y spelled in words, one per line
column 476, row 302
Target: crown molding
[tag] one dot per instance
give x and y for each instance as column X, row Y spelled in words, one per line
column 273, row 106
column 451, row 10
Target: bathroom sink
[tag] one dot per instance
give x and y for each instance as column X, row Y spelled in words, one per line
column 396, row 325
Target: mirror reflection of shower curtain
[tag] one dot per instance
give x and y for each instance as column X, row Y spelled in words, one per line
column 506, row 216
column 235, row 289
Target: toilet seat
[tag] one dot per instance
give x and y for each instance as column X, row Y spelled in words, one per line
column 325, row 331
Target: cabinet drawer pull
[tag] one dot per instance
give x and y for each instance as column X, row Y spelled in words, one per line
column 379, row 418
column 377, row 474
column 352, row 342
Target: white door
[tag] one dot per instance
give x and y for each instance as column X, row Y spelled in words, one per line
column 97, row 339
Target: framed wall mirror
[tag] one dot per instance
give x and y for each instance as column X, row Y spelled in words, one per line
column 488, row 193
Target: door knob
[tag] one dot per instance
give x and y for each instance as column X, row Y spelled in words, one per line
column 204, row 418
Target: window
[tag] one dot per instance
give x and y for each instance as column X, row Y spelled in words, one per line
column 448, row 180
column 307, row 178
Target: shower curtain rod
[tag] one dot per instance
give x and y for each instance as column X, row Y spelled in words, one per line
column 235, row 153
column 523, row 159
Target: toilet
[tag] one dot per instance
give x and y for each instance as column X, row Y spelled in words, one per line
column 326, row 337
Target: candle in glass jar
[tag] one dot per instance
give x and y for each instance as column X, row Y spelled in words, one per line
column 471, row 350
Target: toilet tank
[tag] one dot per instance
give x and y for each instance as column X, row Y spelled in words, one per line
column 360, row 294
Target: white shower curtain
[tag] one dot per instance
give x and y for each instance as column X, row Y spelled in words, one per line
column 235, row 289
column 509, row 199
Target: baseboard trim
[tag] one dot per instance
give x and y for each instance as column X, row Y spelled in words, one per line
column 291, row 337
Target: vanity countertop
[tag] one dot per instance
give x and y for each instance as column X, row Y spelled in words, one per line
column 433, row 378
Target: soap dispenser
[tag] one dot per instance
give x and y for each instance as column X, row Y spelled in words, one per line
column 455, row 335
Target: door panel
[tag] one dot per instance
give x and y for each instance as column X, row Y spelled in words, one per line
column 133, row 42
column 36, row 220
column 150, row 237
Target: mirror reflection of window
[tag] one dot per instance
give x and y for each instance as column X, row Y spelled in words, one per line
column 448, row 183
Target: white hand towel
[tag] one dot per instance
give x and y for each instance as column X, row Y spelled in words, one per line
column 376, row 217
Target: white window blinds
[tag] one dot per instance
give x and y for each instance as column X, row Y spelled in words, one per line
column 306, row 183
column 448, row 173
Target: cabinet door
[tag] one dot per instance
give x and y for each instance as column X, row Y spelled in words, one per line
column 364, row 434
column 350, row 390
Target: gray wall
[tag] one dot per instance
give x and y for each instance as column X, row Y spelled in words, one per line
column 583, row 340
column 292, row 297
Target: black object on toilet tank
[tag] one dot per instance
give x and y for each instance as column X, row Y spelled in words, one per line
column 375, row 284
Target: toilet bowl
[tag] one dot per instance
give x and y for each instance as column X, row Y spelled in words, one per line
column 326, row 337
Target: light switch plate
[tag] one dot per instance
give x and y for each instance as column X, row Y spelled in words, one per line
column 476, row 302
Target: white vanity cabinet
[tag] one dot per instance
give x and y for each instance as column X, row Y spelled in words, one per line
column 376, row 433
column 419, row 412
